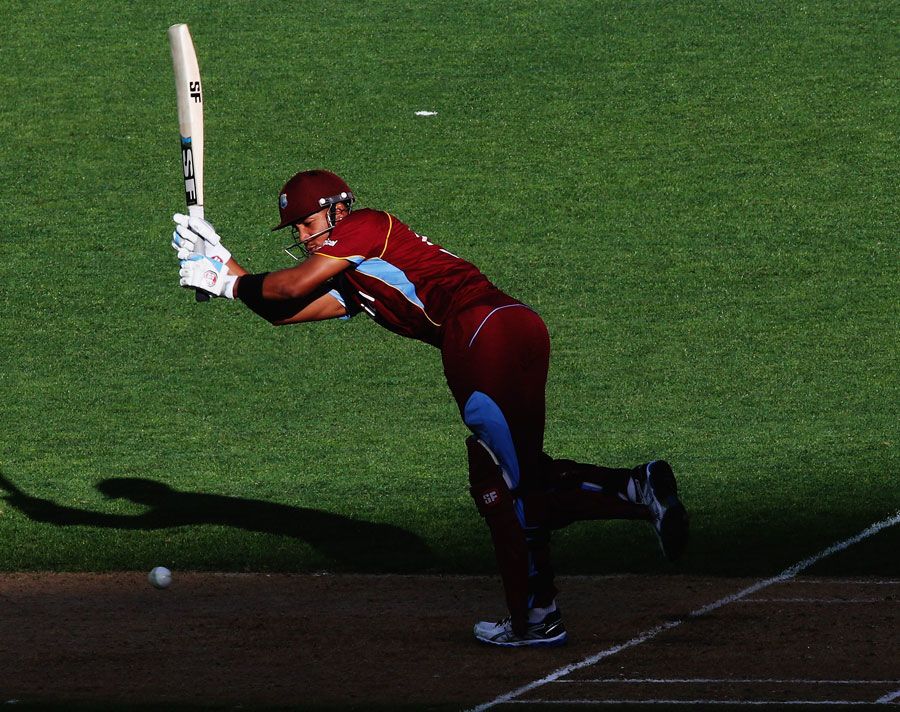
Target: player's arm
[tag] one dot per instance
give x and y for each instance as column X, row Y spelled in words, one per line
column 235, row 268
column 300, row 280
column 319, row 309
column 318, row 306
column 296, row 294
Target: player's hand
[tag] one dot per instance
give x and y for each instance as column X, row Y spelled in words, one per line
column 210, row 275
column 196, row 236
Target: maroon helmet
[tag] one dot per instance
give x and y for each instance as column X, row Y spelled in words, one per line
column 308, row 192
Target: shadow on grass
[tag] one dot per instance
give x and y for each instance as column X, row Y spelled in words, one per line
column 360, row 545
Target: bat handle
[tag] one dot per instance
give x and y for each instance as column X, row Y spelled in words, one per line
column 197, row 211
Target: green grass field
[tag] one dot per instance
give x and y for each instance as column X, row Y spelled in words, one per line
column 700, row 199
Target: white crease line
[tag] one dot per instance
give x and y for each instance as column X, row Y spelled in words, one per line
column 890, row 697
column 819, row 600
column 842, row 582
column 788, row 573
column 720, row 680
column 757, row 703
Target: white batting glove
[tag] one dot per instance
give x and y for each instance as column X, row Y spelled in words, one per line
column 210, row 275
column 196, row 236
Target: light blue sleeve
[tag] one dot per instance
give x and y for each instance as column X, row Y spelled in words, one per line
column 350, row 310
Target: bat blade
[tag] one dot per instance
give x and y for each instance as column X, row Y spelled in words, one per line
column 189, row 92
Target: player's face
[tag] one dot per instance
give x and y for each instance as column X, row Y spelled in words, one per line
column 313, row 231
column 310, row 234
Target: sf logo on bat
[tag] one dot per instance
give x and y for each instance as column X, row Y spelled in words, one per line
column 187, row 163
column 194, row 89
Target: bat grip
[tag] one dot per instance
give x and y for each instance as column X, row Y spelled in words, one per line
column 199, row 294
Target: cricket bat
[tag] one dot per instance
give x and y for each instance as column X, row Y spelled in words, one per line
column 190, row 120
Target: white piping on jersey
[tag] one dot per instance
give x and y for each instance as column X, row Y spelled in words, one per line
column 366, row 308
column 490, row 314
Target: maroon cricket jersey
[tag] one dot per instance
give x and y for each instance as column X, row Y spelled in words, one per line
column 402, row 280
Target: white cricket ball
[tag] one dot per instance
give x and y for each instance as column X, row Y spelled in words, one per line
column 160, row 577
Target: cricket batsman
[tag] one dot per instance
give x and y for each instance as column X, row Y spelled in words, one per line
column 495, row 352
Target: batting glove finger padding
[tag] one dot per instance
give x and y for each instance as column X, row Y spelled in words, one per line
column 210, row 275
column 183, row 245
column 202, row 236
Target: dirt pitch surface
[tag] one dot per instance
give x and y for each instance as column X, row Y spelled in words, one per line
column 251, row 641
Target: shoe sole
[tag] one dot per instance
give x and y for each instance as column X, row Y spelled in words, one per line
column 535, row 643
column 673, row 528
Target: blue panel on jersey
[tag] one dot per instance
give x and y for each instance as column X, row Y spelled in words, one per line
column 340, row 298
column 486, row 420
column 392, row 276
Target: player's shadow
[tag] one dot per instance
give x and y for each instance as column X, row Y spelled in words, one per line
column 355, row 544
